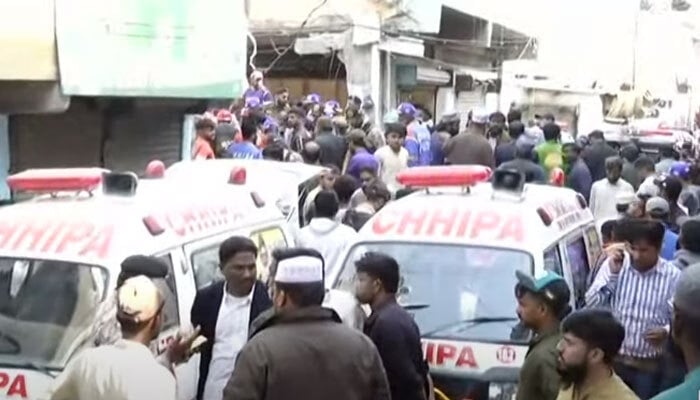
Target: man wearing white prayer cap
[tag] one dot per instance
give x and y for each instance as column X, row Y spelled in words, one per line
column 302, row 350
column 127, row 369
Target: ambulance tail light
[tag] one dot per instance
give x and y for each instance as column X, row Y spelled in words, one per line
column 457, row 175
column 153, row 226
column 238, row 176
column 545, row 216
column 581, row 201
column 57, row 180
column 155, row 169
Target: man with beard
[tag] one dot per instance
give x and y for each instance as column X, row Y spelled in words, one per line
column 447, row 128
column 542, row 303
column 592, row 339
column 296, row 134
column 686, row 333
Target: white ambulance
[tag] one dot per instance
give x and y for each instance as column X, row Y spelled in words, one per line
column 286, row 184
column 459, row 241
column 60, row 255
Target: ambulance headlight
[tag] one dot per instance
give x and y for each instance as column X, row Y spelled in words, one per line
column 502, row 390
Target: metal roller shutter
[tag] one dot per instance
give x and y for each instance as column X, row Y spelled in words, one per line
column 142, row 135
column 466, row 101
column 69, row 139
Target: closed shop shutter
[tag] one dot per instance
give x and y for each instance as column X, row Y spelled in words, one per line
column 466, row 101
column 68, row 139
column 142, row 135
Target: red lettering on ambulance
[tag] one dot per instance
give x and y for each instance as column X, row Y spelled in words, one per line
column 445, row 220
column 451, row 222
column 98, row 245
column 17, row 385
column 413, row 219
column 76, row 234
column 7, row 230
column 79, row 238
column 381, row 226
column 449, row 355
column 464, row 223
column 485, row 221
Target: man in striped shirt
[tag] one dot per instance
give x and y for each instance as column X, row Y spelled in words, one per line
column 638, row 286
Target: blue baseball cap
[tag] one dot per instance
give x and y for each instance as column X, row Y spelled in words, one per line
column 680, row 169
column 548, row 284
column 407, row 109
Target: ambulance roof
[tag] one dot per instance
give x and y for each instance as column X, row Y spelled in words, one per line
column 103, row 229
column 531, row 221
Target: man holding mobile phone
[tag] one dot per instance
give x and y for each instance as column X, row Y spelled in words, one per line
column 638, row 286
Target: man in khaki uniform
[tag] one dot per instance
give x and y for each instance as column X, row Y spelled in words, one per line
column 543, row 301
column 591, row 341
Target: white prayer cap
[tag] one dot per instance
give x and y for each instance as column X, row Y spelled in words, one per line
column 300, row 269
column 139, row 299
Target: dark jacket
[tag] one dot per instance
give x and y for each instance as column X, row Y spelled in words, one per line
column 397, row 338
column 579, row 179
column 333, row 149
column 533, row 172
column 539, row 378
column 595, row 155
column 469, row 148
column 205, row 311
column 505, row 152
column 307, row 354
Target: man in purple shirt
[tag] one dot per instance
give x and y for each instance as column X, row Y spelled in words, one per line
column 361, row 158
column 257, row 89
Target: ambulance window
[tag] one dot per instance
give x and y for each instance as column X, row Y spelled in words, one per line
column 578, row 261
column 171, row 315
column 267, row 240
column 593, row 243
column 552, row 261
column 205, row 263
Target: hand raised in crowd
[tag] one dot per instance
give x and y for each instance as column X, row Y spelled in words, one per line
column 181, row 349
column 656, row 336
column 616, row 256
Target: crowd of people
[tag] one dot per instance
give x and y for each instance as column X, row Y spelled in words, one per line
column 634, row 334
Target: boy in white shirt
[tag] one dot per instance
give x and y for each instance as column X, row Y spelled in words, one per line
column 393, row 157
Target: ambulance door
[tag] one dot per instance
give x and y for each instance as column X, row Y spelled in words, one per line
column 179, row 295
column 576, row 261
column 555, row 260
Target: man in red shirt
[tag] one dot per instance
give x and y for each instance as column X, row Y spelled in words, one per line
column 204, row 129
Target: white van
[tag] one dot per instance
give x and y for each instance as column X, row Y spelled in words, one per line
column 459, row 242
column 60, row 255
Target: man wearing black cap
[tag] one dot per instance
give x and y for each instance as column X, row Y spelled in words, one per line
column 523, row 163
column 543, row 301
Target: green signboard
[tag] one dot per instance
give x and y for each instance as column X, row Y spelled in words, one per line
column 152, row 48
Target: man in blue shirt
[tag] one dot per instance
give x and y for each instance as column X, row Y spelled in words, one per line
column 246, row 149
column 658, row 209
column 417, row 138
column 579, row 176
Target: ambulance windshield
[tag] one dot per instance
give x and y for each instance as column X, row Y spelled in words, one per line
column 454, row 291
column 47, row 308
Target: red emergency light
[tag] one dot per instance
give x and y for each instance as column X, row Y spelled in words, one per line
column 56, row 180
column 155, row 169
column 452, row 175
column 237, row 176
